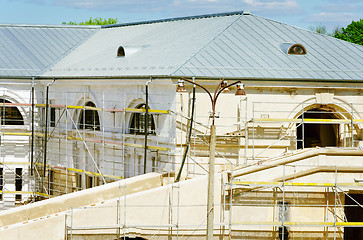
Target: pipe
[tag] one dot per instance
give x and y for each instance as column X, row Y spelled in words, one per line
column 46, row 127
column 32, row 138
column 189, row 135
column 146, row 123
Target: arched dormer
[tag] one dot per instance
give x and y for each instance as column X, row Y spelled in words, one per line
column 293, row 49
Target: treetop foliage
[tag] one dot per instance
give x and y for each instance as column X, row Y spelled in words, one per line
column 319, row 29
column 352, row 33
column 95, row 21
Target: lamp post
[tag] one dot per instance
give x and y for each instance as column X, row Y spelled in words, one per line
column 222, row 87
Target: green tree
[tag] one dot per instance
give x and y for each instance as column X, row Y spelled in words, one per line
column 352, row 33
column 95, row 21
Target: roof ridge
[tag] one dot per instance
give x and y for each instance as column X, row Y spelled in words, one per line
column 51, row 26
column 210, row 42
column 178, row 19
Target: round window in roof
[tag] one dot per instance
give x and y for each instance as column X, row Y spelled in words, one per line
column 120, row 52
column 297, row 49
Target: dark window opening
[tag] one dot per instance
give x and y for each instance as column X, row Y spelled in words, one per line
column 51, row 182
column 89, row 118
column 137, row 125
column 283, row 217
column 317, row 134
column 354, row 213
column 120, row 52
column 10, row 115
column 78, row 181
column 283, row 233
column 297, row 49
column 52, row 117
column 89, row 181
column 18, row 182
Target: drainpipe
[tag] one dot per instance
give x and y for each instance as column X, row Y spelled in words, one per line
column 46, row 126
column 189, row 135
column 146, row 127
column 32, row 139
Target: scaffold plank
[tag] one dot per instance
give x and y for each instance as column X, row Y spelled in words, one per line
column 41, row 105
column 279, row 184
column 297, row 224
column 306, row 120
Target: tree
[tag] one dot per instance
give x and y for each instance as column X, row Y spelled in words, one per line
column 319, row 29
column 95, row 21
column 352, row 33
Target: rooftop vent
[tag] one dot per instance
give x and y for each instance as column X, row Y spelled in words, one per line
column 120, row 52
column 293, row 49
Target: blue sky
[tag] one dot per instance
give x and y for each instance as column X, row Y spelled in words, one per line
column 301, row 13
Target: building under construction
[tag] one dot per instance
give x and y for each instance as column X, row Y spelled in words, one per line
column 106, row 131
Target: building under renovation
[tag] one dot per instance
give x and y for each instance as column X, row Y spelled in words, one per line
column 107, row 132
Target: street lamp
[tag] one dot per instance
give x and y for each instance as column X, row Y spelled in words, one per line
column 222, row 86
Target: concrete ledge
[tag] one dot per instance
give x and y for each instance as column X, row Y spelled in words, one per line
column 81, row 198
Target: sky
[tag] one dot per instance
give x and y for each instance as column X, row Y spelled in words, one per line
column 301, row 13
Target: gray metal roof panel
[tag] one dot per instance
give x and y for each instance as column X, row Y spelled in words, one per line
column 158, row 48
column 29, row 50
column 223, row 45
column 256, row 40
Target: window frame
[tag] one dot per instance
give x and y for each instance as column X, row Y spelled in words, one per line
column 137, row 122
column 89, row 119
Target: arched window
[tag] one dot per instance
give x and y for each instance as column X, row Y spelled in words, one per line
column 10, row 115
column 89, row 119
column 137, row 125
column 297, row 49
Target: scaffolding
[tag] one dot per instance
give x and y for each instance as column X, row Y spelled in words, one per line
column 260, row 140
column 57, row 147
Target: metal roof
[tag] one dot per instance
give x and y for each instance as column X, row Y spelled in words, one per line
column 26, row 51
column 230, row 45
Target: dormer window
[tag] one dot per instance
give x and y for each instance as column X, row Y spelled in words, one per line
column 293, row 49
column 297, row 49
column 121, row 52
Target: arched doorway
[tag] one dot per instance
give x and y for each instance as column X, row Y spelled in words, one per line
column 317, row 134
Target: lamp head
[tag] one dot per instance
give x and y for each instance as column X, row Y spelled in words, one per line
column 180, row 87
column 224, row 84
column 240, row 90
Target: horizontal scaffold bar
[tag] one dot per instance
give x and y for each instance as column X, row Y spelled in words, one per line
column 307, row 120
column 136, row 110
column 280, row 184
column 64, row 168
column 297, row 224
column 25, row 192
column 157, row 148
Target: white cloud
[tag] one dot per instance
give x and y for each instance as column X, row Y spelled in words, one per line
column 265, row 4
column 332, row 20
column 126, row 5
column 273, row 8
column 331, row 17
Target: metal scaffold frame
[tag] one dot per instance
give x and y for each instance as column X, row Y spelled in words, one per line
column 256, row 140
column 66, row 132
